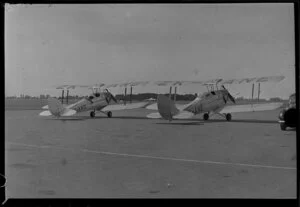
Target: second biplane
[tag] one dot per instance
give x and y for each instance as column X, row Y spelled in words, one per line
column 213, row 102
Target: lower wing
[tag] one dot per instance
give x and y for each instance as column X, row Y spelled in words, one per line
column 251, row 107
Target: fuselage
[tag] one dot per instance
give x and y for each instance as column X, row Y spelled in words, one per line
column 93, row 102
column 213, row 101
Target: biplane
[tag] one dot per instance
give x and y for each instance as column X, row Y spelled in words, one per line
column 213, row 102
column 96, row 102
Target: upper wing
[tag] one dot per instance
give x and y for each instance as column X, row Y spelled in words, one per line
column 66, row 87
column 251, row 107
column 270, row 79
column 115, row 107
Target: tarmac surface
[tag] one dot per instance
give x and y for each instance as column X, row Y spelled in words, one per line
column 130, row 156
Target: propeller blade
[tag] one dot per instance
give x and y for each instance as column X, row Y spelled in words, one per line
column 111, row 96
column 229, row 95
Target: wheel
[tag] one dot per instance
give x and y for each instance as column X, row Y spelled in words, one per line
column 205, row 116
column 228, row 117
column 92, row 114
column 109, row 114
column 282, row 126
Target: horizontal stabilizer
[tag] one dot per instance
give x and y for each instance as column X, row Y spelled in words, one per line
column 45, row 113
column 251, row 108
column 68, row 112
column 154, row 115
column 116, row 107
column 180, row 115
column 184, row 115
column 45, row 107
column 154, row 106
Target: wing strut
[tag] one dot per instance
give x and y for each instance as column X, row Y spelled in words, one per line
column 125, row 95
column 175, row 94
column 130, row 97
column 67, row 95
column 258, row 92
column 62, row 96
column 252, row 91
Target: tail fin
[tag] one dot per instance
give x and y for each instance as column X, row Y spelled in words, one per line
column 55, row 107
column 166, row 107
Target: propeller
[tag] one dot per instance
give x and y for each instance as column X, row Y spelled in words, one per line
column 111, row 96
column 229, row 95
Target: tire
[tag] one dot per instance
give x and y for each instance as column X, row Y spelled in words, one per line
column 283, row 126
column 205, row 116
column 228, row 117
column 92, row 114
column 109, row 114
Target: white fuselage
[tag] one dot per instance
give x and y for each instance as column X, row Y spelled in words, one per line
column 213, row 101
column 90, row 103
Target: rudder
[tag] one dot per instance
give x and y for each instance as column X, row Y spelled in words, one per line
column 166, row 107
column 55, row 107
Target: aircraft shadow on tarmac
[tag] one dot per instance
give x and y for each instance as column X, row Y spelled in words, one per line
column 67, row 119
column 183, row 121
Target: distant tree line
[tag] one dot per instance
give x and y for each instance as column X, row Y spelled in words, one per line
column 144, row 96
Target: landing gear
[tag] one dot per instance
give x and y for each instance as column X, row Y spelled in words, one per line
column 228, row 117
column 109, row 114
column 205, row 116
column 92, row 114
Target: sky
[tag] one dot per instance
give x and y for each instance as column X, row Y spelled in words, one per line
column 50, row 45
